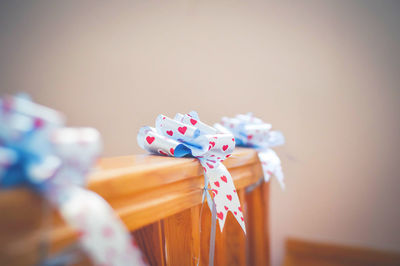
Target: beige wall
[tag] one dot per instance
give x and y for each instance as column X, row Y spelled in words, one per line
column 325, row 73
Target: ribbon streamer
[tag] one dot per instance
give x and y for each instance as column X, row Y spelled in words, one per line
column 186, row 135
column 37, row 151
column 250, row 131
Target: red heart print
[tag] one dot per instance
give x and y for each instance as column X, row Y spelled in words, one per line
column 249, row 137
column 242, row 219
column 216, row 183
column 163, row 153
column 133, row 242
column 229, row 197
column 234, row 191
column 172, row 151
column 170, row 132
column 150, row 139
column 225, row 147
column 210, row 165
column 8, row 104
column 235, row 213
column 223, row 178
column 182, row 130
column 212, row 143
column 108, row 231
column 38, row 122
column 228, row 156
column 220, row 215
column 226, row 208
column 240, row 209
column 214, row 191
column 205, row 169
column 233, row 139
column 193, row 121
column 81, row 234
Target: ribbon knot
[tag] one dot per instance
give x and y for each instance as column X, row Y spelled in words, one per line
column 186, row 135
column 250, row 131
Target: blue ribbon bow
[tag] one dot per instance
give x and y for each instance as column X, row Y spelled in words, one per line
column 35, row 150
column 250, row 131
column 186, row 135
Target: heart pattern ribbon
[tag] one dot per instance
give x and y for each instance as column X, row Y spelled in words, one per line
column 250, row 131
column 186, row 135
column 37, row 151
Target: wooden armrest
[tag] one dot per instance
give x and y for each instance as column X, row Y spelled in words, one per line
column 142, row 189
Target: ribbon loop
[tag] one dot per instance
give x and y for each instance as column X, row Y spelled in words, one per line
column 176, row 130
column 193, row 119
column 250, row 131
column 186, row 135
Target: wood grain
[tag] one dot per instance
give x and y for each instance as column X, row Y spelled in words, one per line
column 302, row 252
column 20, row 230
column 143, row 190
column 179, row 242
column 235, row 242
column 150, row 240
column 257, row 224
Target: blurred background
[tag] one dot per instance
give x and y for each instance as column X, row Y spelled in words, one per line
column 325, row 73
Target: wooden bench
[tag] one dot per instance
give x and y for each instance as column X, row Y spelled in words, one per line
column 159, row 200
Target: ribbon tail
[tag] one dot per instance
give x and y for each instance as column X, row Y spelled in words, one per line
column 225, row 195
column 271, row 165
column 206, row 193
column 278, row 173
column 211, row 205
column 212, row 234
column 101, row 234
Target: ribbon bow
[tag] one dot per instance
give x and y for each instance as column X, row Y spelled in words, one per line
column 250, row 131
column 186, row 135
column 35, row 150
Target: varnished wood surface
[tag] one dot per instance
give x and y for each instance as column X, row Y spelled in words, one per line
column 235, row 242
column 257, row 223
column 150, row 239
column 309, row 253
column 142, row 189
column 20, row 223
column 180, row 246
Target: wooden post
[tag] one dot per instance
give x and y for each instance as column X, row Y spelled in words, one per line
column 151, row 242
column 258, row 224
column 181, row 238
column 236, row 241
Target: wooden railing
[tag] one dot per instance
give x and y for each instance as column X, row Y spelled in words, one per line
column 159, row 200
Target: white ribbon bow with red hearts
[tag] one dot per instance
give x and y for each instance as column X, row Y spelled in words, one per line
column 186, row 135
column 250, row 131
column 37, row 151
